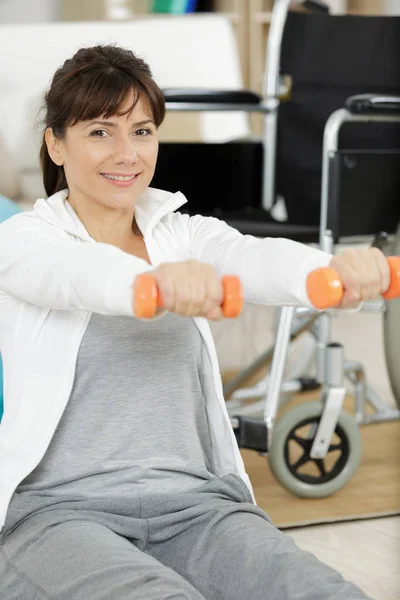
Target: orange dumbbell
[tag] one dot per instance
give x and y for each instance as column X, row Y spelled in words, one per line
column 325, row 290
column 146, row 296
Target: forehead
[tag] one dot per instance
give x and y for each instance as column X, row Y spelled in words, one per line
column 134, row 109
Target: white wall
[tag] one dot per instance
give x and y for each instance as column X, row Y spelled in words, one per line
column 28, row 11
column 337, row 7
column 392, row 7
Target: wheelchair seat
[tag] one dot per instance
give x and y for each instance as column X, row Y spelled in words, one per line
column 258, row 222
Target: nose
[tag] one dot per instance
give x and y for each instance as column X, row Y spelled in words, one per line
column 125, row 152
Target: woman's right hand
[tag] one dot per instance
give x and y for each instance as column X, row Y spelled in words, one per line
column 191, row 289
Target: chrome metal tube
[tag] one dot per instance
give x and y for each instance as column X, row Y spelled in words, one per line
column 277, row 367
column 334, row 356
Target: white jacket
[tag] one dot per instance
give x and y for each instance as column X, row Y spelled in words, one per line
column 53, row 275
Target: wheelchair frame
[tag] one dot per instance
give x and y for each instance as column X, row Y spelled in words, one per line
column 331, row 366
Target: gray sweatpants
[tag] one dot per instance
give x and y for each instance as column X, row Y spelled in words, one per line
column 212, row 543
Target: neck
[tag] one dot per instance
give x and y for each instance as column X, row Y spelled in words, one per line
column 113, row 226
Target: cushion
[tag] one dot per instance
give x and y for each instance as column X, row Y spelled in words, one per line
column 10, row 182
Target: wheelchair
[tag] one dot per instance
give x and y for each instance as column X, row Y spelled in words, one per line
column 332, row 152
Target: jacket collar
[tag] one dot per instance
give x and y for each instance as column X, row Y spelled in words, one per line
column 150, row 207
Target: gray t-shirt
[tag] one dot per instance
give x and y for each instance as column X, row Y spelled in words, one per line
column 136, row 419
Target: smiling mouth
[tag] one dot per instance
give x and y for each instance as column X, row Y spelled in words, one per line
column 120, row 177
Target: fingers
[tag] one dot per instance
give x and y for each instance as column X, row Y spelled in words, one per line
column 364, row 273
column 384, row 270
column 199, row 292
column 190, row 289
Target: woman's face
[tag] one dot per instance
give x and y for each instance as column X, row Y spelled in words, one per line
column 110, row 161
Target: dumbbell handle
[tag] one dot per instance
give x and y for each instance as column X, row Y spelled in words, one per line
column 325, row 289
column 147, row 298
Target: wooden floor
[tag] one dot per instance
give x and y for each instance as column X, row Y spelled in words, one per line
column 365, row 552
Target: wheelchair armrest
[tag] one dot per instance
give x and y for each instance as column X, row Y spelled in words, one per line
column 205, row 96
column 373, row 104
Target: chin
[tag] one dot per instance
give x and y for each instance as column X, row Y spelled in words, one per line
column 113, row 197
column 120, row 201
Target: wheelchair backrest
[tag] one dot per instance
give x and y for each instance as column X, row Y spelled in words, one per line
column 329, row 59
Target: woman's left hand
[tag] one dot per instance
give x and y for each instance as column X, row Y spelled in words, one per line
column 364, row 273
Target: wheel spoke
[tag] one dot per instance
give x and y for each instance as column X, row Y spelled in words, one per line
column 333, row 447
column 301, row 441
column 302, row 461
column 321, row 466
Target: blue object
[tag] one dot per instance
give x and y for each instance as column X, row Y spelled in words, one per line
column 177, row 7
column 1, row 389
column 8, row 208
column 191, row 6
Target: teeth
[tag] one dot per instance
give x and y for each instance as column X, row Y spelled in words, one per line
column 119, row 177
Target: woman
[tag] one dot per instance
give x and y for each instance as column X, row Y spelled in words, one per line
column 120, row 476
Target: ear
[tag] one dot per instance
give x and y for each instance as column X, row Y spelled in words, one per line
column 54, row 147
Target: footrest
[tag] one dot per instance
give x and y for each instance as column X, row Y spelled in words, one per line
column 251, row 434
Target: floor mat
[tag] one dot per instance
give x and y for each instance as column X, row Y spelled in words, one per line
column 373, row 491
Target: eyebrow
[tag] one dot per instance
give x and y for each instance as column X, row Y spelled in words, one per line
column 111, row 124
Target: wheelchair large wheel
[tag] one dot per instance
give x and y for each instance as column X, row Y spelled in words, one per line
column 289, row 455
column 391, row 334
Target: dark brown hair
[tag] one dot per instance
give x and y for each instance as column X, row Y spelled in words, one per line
column 95, row 82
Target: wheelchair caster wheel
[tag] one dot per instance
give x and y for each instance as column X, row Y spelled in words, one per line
column 289, row 455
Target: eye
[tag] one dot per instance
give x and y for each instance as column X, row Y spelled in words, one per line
column 99, row 133
column 144, row 131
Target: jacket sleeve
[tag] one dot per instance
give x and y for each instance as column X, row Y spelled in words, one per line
column 272, row 270
column 40, row 266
